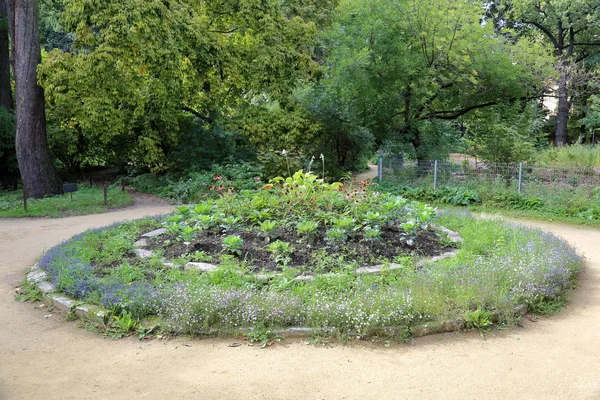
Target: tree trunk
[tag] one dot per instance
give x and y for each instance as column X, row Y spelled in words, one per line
column 38, row 172
column 5, row 90
column 563, row 106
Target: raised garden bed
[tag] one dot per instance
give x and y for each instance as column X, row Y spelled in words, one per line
column 349, row 283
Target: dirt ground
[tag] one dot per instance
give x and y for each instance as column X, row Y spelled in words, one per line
column 48, row 358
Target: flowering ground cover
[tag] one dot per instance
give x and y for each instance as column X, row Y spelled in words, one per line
column 498, row 268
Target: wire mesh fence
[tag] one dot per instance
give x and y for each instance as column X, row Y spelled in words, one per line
column 553, row 184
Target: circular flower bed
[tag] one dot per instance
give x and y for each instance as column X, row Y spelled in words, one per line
column 262, row 243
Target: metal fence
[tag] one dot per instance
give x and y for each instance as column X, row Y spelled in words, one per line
column 522, row 178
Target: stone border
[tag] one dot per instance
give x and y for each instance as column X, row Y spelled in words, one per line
column 67, row 305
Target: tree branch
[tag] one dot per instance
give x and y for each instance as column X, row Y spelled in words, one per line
column 454, row 114
column 197, row 114
column 458, row 113
column 546, row 31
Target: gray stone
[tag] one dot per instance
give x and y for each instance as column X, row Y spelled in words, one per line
column 304, row 278
column 36, row 276
column 46, row 287
column 89, row 311
column 143, row 242
column 375, row 269
column 141, row 253
column 266, row 277
column 199, row 266
column 454, row 236
column 156, row 232
column 521, row 310
column 436, row 258
column 426, row 329
column 62, row 304
column 298, row 332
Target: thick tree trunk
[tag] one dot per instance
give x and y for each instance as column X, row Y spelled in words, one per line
column 38, row 173
column 563, row 106
column 5, row 90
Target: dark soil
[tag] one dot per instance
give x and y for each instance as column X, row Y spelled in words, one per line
column 306, row 255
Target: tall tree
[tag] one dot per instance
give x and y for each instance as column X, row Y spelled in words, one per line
column 38, row 172
column 9, row 171
column 571, row 28
column 405, row 68
column 138, row 66
column 5, row 90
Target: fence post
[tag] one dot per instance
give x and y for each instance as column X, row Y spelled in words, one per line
column 520, row 177
column 105, row 194
column 435, row 167
column 24, row 200
column 380, row 166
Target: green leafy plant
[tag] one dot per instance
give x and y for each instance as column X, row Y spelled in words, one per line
column 307, row 228
column 268, row 229
column 187, row 234
column 233, row 244
column 29, row 292
column 262, row 336
column 335, row 237
column 281, row 252
column 372, row 234
column 479, row 319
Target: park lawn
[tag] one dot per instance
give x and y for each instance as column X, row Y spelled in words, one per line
column 87, row 200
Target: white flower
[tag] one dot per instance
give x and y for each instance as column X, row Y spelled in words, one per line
column 284, row 152
column 322, row 157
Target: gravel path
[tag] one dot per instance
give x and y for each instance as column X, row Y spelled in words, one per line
column 48, row 358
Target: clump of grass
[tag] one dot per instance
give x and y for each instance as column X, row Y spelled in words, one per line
column 579, row 155
column 87, row 200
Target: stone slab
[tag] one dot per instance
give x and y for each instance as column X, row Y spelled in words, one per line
column 63, row 304
column 199, row 266
column 143, row 242
column 156, row 232
column 454, row 236
column 46, row 287
column 141, row 253
column 375, row 269
column 436, row 258
column 89, row 311
column 36, row 276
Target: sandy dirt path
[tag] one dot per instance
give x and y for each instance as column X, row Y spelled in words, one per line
column 48, row 358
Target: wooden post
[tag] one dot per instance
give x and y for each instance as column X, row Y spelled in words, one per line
column 25, row 200
column 105, row 195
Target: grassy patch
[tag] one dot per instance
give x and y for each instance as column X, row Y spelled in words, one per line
column 87, row 200
column 579, row 155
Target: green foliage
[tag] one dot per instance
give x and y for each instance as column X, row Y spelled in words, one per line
column 233, row 244
column 124, row 323
column 137, row 68
column 29, row 292
column 401, row 69
column 281, row 252
column 197, row 186
column 505, row 133
column 262, row 336
column 479, row 319
column 578, row 155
